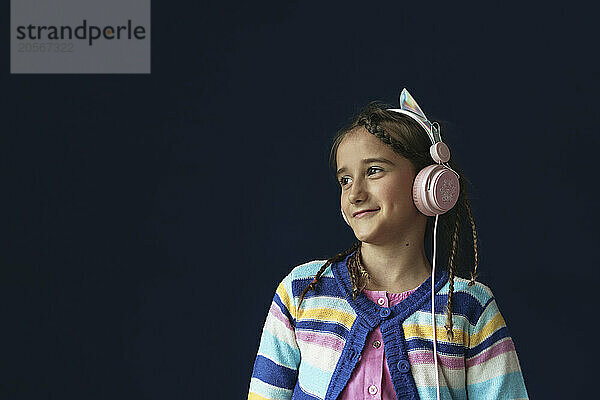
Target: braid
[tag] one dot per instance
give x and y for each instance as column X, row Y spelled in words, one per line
column 449, row 324
column 474, row 273
column 385, row 137
column 358, row 274
column 340, row 256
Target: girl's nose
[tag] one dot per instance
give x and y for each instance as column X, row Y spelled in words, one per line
column 357, row 192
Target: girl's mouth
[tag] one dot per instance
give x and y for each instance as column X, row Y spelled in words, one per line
column 365, row 213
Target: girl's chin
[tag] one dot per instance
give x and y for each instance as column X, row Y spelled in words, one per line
column 366, row 236
column 378, row 238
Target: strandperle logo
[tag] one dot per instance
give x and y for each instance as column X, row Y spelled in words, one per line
column 80, row 36
column 85, row 31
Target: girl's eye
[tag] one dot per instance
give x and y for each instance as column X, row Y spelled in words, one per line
column 370, row 171
column 343, row 180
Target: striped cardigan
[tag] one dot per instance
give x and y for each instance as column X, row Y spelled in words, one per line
column 309, row 352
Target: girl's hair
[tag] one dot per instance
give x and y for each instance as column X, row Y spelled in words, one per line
column 407, row 138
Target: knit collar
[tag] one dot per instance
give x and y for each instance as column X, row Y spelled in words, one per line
column 369, row 311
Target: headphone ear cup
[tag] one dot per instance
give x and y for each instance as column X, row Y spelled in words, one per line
column 442, row 193
column 344, row 216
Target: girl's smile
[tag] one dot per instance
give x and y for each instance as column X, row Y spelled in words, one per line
column 360, row 214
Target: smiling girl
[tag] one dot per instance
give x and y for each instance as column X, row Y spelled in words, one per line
column 378, row 321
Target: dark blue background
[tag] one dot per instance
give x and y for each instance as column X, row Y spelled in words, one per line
column 147, row 219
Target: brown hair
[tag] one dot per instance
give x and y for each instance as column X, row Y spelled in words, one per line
column 407, row 138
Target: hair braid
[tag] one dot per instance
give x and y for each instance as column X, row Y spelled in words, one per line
column 340, row 256
column 385, row 137
column 358, row 274
column 453, row 251
column 474, row 273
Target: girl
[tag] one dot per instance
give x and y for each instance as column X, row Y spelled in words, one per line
column 377, row 321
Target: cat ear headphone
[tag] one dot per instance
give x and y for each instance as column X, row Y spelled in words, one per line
column 435, row 190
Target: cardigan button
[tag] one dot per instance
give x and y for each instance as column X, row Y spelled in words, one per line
column 384, row 312
column 403, row 366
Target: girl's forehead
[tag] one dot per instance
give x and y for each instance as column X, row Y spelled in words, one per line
column 361, row 144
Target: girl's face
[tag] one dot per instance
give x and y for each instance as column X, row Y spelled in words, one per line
column 373, row 177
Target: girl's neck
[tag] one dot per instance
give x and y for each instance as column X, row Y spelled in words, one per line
column 395, row 269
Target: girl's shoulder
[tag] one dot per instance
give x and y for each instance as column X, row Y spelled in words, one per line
column 307, row 270
column 477, row 292
column 299, row 277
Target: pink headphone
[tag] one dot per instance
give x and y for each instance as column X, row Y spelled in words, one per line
column 436, row 187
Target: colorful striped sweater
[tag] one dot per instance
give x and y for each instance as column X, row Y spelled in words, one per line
column 309, row 352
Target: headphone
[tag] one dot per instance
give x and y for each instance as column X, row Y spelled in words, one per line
column 436, row 187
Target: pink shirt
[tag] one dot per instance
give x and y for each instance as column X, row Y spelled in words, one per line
column 371, row 379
